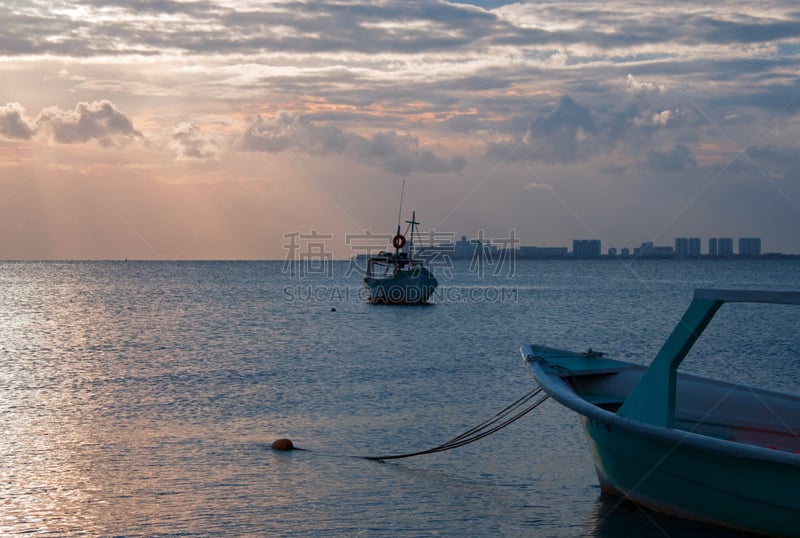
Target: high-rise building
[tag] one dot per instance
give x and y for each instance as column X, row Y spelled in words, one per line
column 646, row 249
column 725, row 246
column 687, row 247
column 712, row 246
column 682, row 247
column 694, row 247
column 750, row 246
column 586, row 248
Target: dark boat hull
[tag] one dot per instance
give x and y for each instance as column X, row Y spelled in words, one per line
column 414, row 286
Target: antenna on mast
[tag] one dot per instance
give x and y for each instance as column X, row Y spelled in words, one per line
column 400, row 212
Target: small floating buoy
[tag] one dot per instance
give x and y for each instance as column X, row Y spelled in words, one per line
column 282, row 444
column 333, row 309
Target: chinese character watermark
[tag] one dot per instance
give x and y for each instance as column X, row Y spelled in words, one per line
column 310, row 254
column 364, row 245
column 307, row 254
column 497, row 254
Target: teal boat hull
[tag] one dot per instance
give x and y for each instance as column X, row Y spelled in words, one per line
column 413, row 286
column 695, row 479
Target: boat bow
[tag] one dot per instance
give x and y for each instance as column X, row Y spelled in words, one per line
column 703, row 449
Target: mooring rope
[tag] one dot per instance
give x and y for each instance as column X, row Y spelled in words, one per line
column 480, row 431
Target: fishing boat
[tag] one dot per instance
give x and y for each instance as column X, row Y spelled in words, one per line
column 708, row 450
column 397, row 277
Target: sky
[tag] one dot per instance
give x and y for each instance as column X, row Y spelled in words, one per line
column 239, row 129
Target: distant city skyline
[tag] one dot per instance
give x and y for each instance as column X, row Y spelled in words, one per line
column 684, row 247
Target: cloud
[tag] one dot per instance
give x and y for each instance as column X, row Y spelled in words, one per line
column 618, row 129
column 779, row 163
column 629, row 99
column 677, row 159
column 634, row 85
column 292, row 131
column 560, row 135
column 546, row 29
column 13, row 123
column 397, row 153
column 98, row 120
column 537, row 186
column 402, row 155
column 748, row 29
column 662, row 118
column 466, row 123
column 568, row 117
column 189, row 142
column 158, row 26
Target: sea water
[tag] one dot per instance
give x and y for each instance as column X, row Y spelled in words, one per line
column 141, row 398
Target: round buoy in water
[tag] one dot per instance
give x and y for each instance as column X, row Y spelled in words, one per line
column 282, row 444
column 333, row 309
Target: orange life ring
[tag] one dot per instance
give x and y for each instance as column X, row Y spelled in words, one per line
column 398, row 241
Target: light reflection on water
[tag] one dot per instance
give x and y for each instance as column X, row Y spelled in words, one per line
column 141, row 398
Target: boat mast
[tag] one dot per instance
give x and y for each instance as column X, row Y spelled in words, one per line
column 413, row 222
column 400, row 212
